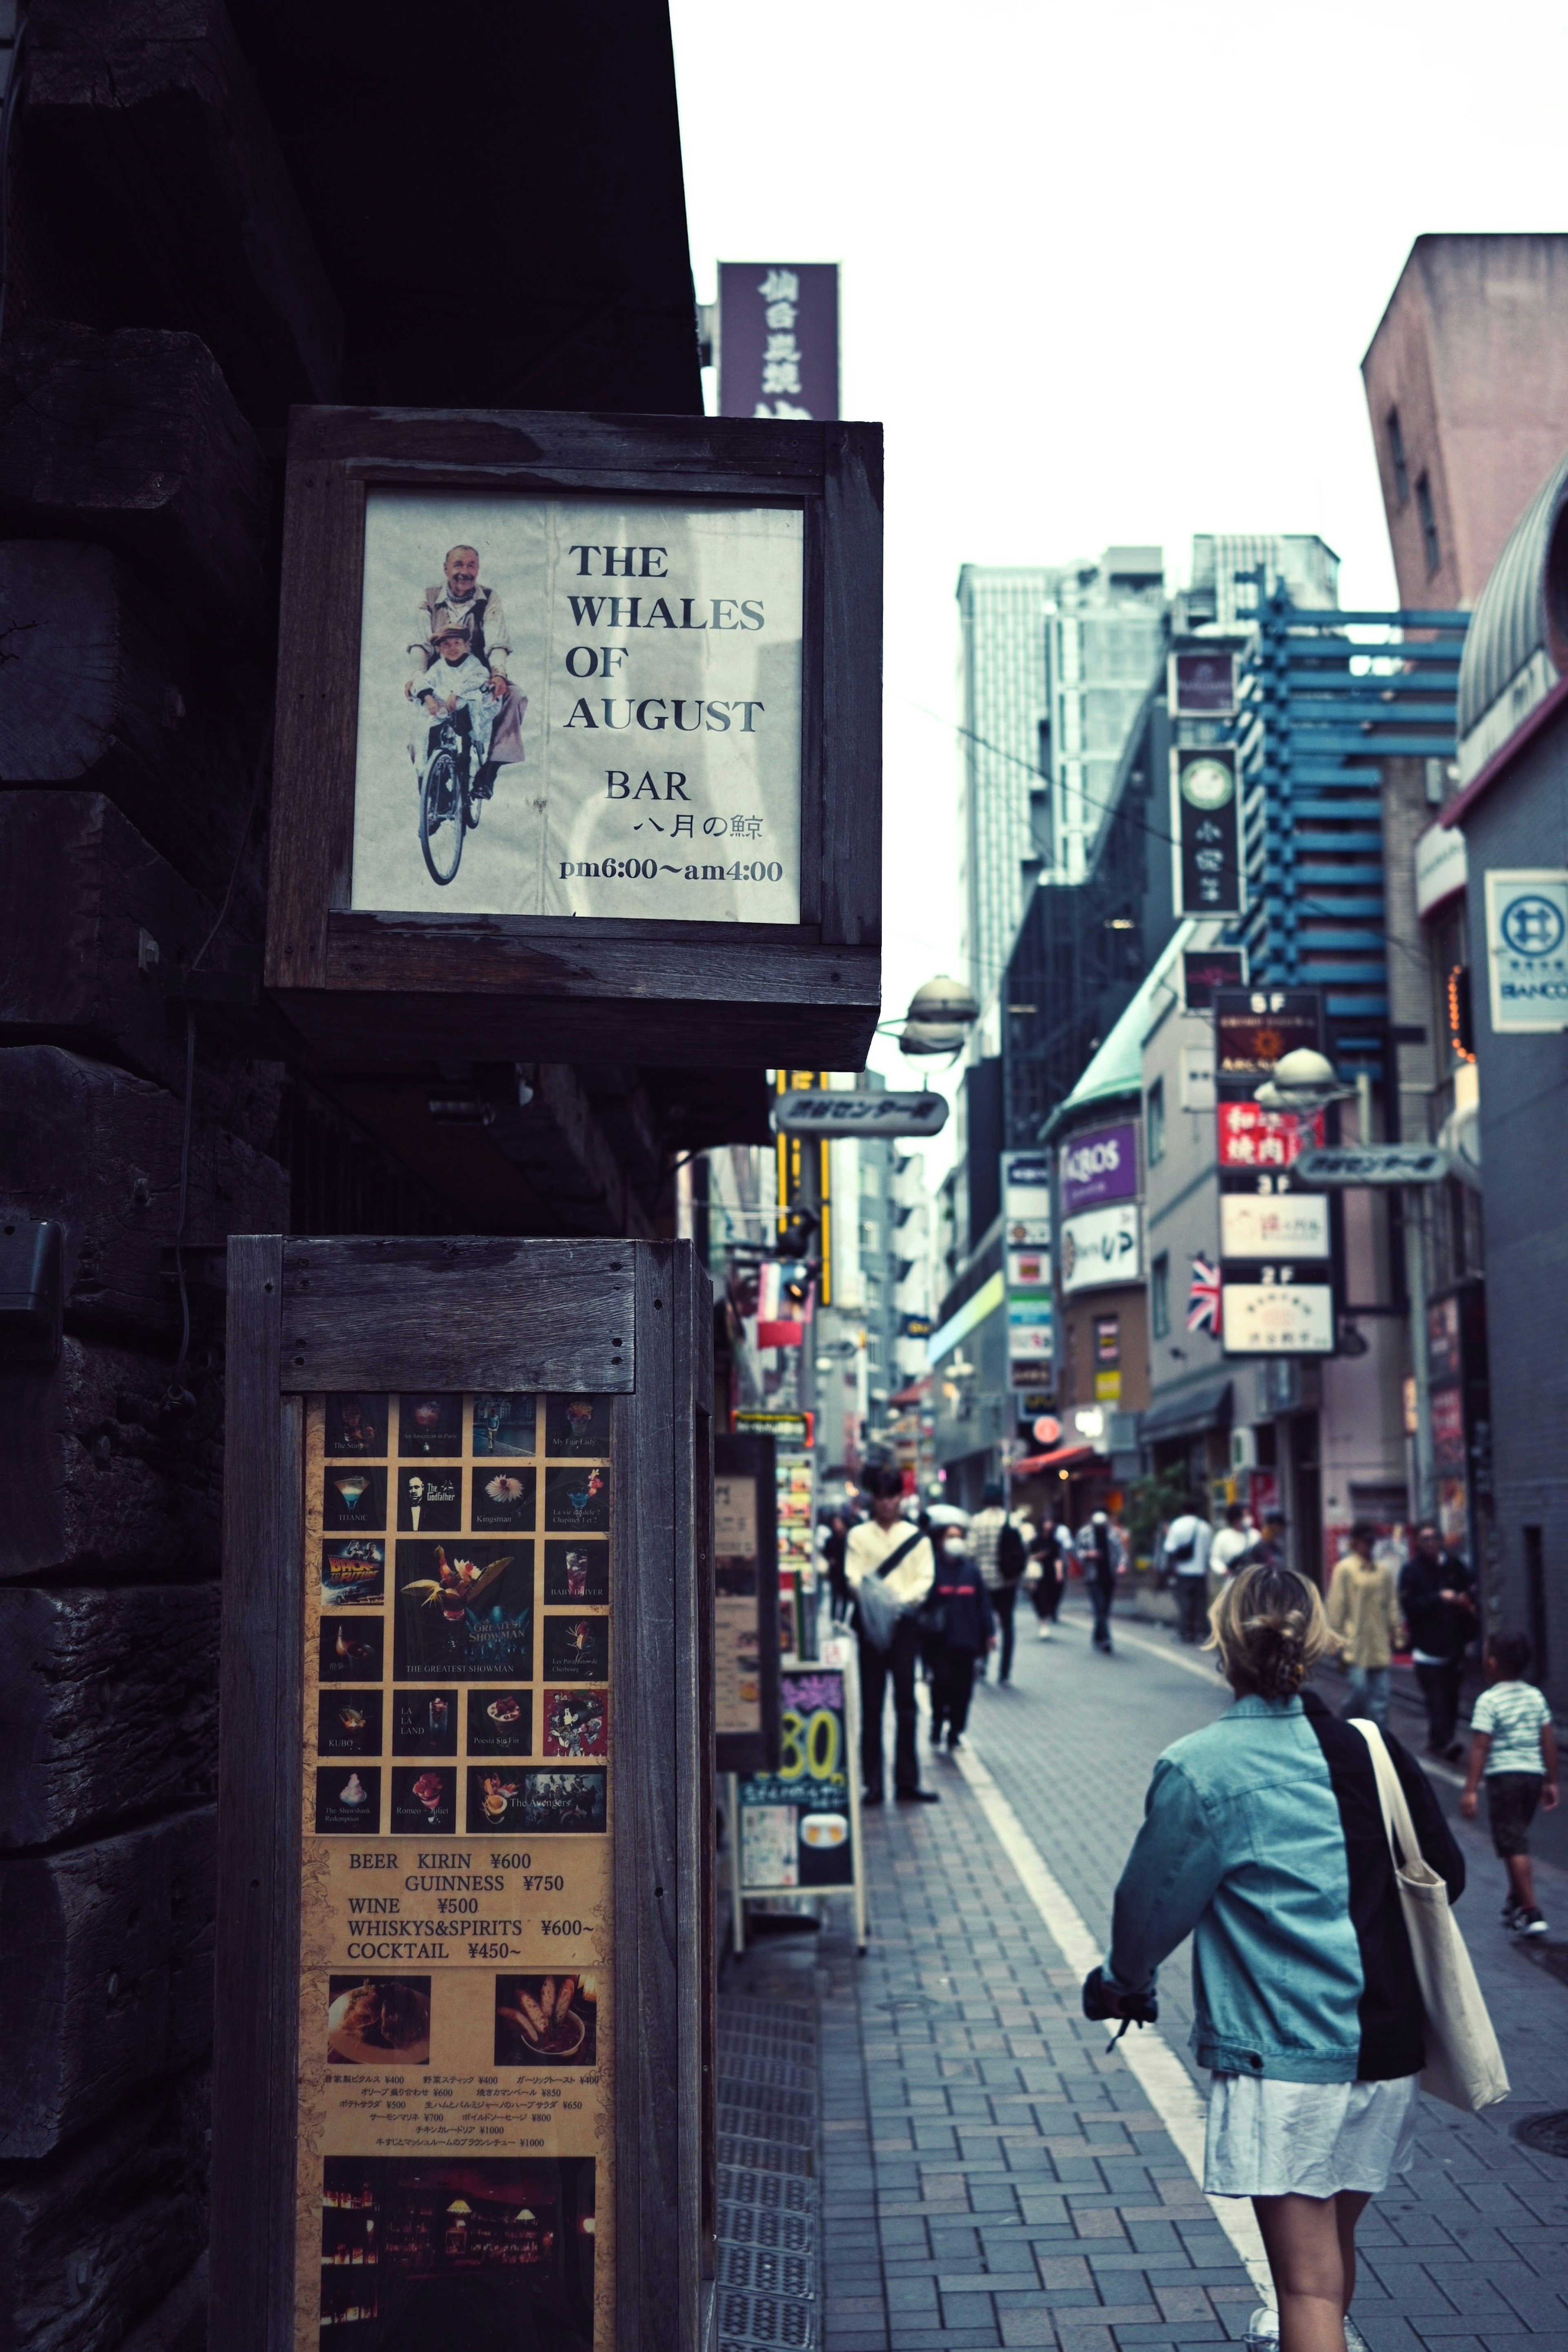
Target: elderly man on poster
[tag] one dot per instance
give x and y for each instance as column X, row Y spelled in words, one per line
column 463, row 597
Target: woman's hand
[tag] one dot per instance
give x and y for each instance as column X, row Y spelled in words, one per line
column 1468, row 1803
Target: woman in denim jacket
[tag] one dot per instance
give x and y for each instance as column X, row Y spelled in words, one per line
column 1263, row 1840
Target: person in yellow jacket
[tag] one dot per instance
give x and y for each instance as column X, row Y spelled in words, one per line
column 1364, row 1617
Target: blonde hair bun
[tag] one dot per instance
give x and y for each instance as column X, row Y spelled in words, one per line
column 1269, row 1627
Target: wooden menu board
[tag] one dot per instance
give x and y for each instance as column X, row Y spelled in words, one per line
column 462, row 1915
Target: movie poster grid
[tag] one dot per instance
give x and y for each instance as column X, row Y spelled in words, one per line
column 463, row 1563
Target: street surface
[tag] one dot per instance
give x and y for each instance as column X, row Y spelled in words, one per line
column 993, row 2176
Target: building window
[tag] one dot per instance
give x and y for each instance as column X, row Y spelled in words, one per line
column 1160, row 1296
column 1428, row 523
column 1397, row 451
column 1155, row 1125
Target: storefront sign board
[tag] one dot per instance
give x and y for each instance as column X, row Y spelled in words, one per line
column 578, row 738
column 463, row 1793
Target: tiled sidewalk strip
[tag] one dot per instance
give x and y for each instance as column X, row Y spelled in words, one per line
column 768, row 2253
column 996, row 2177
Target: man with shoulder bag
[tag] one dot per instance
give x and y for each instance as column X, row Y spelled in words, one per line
column 1186, row 1553
column 889, row 1568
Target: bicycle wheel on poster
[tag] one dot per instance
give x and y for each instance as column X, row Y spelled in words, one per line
column 441, row 817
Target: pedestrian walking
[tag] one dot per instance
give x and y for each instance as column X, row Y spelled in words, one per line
column 962, row 1624
column 1264, row 1839
column 1437, row 1599
column 1364, row 1618
column 997, row 1549
column 1101, row 1577
column 1186, row 1552
column 1268, row 1550
column 886, row 1550
column 833, row 1562
column 1231, row 1542
column 1046, row 1576
column 1513, row 1748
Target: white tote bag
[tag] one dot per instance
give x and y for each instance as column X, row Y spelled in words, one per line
column 1464, row 2064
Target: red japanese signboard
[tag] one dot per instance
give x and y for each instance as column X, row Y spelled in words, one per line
column 1250, row 1137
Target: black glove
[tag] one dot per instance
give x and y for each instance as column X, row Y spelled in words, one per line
column 1100, row 2002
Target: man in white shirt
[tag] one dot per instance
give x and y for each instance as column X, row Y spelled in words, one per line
column 869, row 1548
column 1187, row 1547
column 1231, row 1542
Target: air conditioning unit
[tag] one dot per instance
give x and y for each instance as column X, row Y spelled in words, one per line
column 1243, row 1451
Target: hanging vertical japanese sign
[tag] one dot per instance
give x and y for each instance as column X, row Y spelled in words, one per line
column 777, row 339
column 456, row 2066
column 1207, row 827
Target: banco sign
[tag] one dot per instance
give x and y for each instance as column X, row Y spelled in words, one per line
column 1527, row 950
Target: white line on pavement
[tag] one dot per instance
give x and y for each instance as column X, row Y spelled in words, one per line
column 1169, row 2088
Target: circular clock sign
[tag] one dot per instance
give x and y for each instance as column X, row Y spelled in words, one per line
column 1207, row 783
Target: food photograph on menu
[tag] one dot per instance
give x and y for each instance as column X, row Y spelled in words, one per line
column 425, row 1722
column 542, row 1802
column 577, row 1425
column 356, row 1424
column 348, row 1800
column 465, row 1610
column 349, row 1723
column 547, row 2021
column 378, row 2021
column 500, row 1722
column 577, row 1572
column 350, row 1650
column 501, row 1500
column 353, row 1500
column 430, row 1428
column 577, row 1499
column 576, row 1649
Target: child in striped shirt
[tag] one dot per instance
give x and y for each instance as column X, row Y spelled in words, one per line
column 1515, row 1748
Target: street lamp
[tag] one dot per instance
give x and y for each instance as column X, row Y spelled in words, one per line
column 941, row 1014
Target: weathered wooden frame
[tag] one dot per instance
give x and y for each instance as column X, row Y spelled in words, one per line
column 631, row 1319
column 752, row 1457
column 379, row 986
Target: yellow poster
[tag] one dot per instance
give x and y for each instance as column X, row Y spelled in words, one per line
column 457, row 2068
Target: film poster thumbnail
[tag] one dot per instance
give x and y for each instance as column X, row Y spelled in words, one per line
column 540, row 1803
column 352, row 1499
column 577, row 1499
column 500, row 1722
column 577, row 1722
column 503, row 1499
column 440, row 2251
column 465, row 1612
column 429, row 1502
column 353, row 1650
column 378, row 2021
column 576, row 1424
column 505, row 1424
column 349, row 1723
column 348, row 1800
column 353, row 1572
column 577, row 1573
column 546, row 2021
column 423, row 1800
column 356, row 1426
column 429, row 1428
column 577, row 1649
column 425, row 1723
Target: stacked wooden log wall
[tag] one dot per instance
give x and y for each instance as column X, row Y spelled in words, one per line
column 164, row 307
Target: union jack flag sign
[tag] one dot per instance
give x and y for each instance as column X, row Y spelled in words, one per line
column 1203, row 1298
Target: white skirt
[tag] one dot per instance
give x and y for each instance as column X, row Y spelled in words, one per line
column 1307, row 2140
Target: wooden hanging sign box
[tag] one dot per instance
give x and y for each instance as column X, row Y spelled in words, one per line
column 579, row 738
column 463, row 2070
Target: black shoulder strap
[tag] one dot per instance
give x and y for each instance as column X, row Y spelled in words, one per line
column 905, row 1549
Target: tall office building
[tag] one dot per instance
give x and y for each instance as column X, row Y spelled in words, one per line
column 1002, row 616
column 1055, row 665
column 1223, row 597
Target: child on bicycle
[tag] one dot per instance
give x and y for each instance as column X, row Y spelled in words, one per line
column 457, row 680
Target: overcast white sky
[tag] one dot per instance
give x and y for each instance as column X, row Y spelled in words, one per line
column 1109, row 272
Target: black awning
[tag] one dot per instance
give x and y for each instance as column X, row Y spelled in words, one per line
column 1187, row 1415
